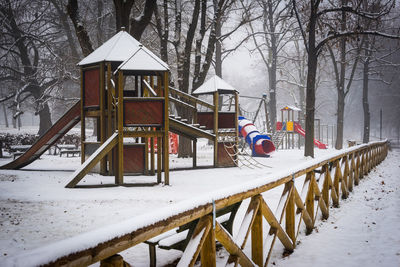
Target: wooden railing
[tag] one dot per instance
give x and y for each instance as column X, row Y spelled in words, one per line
column 322, row 183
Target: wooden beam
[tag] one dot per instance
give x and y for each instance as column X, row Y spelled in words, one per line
column 93, row 160
column 83, row 119
column 226, row 240
column 199, row 238
column 216, row 99
column 102, row 126
column 290, row 224
column 166, row 130
column 109, row 116
column 159, row 159
column 151, row 133
column 273, row 222
column 208, row 250
column 119, row 178
column 257, row 252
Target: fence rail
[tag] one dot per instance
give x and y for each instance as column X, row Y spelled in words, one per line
column 324, row 183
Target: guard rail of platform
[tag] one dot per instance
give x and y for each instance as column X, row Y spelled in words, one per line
column 307, row 193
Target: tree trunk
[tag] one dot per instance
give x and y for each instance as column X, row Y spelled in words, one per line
column 365, row 102
column 81, row 33
column 340, row 89
column 122, row 12
column 310, row 91
column 45, row 120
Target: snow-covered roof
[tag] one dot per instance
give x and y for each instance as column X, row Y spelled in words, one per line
column 214, row 84
column 291, row 108
column 143, row 60
column 120, row 47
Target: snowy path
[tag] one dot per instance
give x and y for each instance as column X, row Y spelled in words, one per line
column 364, row 231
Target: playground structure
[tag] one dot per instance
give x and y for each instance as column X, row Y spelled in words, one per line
column 261, row 144
column 125, row 89
column 288, row 131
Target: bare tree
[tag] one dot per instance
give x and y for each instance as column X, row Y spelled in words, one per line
column 29, row 45
column 277, row 30
column 313, row 13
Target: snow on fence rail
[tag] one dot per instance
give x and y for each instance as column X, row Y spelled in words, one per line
column 326, row 180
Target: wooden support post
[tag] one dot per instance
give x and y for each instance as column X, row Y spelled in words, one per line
column 159, row 159
column 226, row 240
column 216, row 98
column 325, row 187
column 357, row 170
column 257, row 238
column 290, row 224
column 237, row 126
column 146, row 156
column 194, row 153
column 166, row 130
column 119, row 178
column 152, row 156
column 109, row 116
column 208, row 250
column 310, row 198
column 337, row 177
column 102, row 126
column 83, row 120
column 113, row 261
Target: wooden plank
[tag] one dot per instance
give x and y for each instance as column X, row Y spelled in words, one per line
column 166, row 130
column 321, row 202
column 151, row 133
column 208, row 250
column 119, row 179
column 159, row 159
column 226, row 240
column 273, row 222
column 216, row 99
column 83, row 119
column 248, row 220
column 191, row 98
column 109, row 116
column 290, row 214
column 310, row 196
column 306, row 217
column 257, row 252
column 102, row 126
column 93, row 160
column 152, row 156
column 196, row 242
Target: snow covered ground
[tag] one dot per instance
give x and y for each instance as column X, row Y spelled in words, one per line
column 36, row 209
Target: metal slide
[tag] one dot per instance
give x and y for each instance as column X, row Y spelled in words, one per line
column 58, row 130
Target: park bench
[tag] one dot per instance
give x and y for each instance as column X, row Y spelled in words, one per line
column 68, row 150
column 18, row 150
column 179, row 237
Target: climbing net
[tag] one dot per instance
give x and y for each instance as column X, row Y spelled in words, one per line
column 241, row 157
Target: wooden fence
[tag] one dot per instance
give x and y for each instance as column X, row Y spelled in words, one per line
column 323, row 184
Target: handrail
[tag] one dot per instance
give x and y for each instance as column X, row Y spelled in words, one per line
column 349, row 166
column 191, row 98
column 151, row 90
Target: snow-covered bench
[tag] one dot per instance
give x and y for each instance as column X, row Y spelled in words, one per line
column 179, row 237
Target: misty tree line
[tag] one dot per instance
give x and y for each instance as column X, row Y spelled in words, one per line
column 303, row 45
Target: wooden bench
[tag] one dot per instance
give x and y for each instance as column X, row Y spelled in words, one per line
column 70, row 152
column 178, row 238
column 18, row 150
